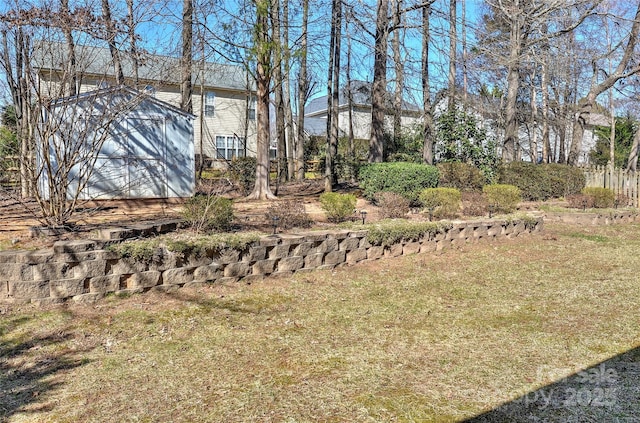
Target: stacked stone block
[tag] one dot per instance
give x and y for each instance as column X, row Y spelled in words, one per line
column 85, row 271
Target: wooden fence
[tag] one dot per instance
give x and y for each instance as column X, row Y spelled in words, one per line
column 622, row 182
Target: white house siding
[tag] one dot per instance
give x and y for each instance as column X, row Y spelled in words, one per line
column 228, row 121
column 361, row 117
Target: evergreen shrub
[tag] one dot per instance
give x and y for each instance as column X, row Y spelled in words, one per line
column 405, row 179
column 503, row 197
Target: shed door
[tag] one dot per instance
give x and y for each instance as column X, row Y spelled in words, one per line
column 146, row 158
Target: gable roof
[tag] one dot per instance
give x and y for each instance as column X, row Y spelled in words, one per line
column 128, row 91
column 48, row 55
column 361, row 96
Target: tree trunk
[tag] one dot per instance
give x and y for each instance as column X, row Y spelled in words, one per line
column 399, row 74
column 131, row 33
column 562, row 133
column 533, row 143
column 546, row 144
column 111, row 33
column 453, row 43
column 261, row 190
column 465, row 84
column 286, row 92
column 513, row 84
column 279, row 105
column 333, row 91
column 351, row 148
column 72, row 70
column 303, row 88
column 379, row 86
column 186, row 89
column 633, row 154
column 427, row 150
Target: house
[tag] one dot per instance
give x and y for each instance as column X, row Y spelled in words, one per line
column 488, row 112
column 115, row 142
column 223, row 95
column 316, row 113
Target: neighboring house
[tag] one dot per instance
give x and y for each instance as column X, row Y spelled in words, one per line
column 223, row 98
column 487, row 111
column 316, row 113
column 116, row 143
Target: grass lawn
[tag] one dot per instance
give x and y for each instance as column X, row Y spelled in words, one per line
column 430, row 337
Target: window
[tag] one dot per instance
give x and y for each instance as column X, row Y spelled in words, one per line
column 228, row 147
column 209, row 104
column 252, row 109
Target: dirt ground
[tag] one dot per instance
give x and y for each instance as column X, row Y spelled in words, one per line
column 18, row 217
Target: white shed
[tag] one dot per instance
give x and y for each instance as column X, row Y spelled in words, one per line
column 116, row 143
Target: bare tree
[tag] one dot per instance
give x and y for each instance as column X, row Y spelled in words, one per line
column 587, row 104
column 427, row 129
column 379, row 86
column 333, row 97
column 133, row 46
column 71, row 135
column 278, row 78
column 186, row 59
column 453, row 45
column 262, row 48
column 110, row 37
column 286, row 91
column 303, row 89
column 398, row 71
column 526, row 24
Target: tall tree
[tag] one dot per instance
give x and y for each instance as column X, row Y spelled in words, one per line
column 67, row 30
column 110, row 37
column 262, row 50
column 427, row 129
column 587, row 104
column 303, row 89
column 333, row 97
column 278, row 91
column 133, row 46
column 186, row 59
column 524, row 23
column 379, row 86
column 286, row 91
column 398, row 63
column 453, row 45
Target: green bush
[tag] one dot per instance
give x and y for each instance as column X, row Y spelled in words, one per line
column 242, row 171
column 441, row 202
column 207, row 212
column 602, row 198
column 392, row 205
column 543, row 181
column 504, row 198
column 405, row 179
column 338, row 207
column 463, row 176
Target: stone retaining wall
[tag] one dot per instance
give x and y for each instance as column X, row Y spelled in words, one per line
column 85, row 271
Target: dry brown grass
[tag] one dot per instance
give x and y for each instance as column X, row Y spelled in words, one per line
column 436, row 337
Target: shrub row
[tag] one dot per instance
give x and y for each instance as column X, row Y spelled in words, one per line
column 445, row 202
column 542, row 181
column 405, row 179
